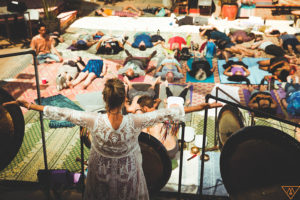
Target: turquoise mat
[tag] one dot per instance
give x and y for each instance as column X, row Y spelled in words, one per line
column 189, row 78
column 62, row 102
column 256, row 74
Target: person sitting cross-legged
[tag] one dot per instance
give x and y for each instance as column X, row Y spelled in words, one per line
column 43, row 44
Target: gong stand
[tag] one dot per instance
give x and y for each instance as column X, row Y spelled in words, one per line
column 209, row 96
column 38, row 95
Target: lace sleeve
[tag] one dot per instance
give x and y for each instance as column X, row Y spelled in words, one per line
column 81, row 118
column 151, row 118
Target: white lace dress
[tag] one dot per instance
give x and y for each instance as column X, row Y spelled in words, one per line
column 115, row 161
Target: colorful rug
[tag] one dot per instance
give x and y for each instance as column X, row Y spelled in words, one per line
column 59, row 144
column 62, row 102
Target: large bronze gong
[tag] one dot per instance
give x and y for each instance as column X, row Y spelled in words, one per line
column 11, row 129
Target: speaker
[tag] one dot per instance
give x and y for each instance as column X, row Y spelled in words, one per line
column 16, row 6
column 55, row 178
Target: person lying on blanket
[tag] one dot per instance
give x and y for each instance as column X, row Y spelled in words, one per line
column 279, row 67
column 182, row 94
column 134, row 94
column 158, row 11
column 144, row 40
column 136, row 66
column 169, row 69
column 83, row 42
column 267, row 46
column 95, row 68
column 178, row 45
column 292, row 100
column 127, row 11
column 67, row 72
column 236, row 71
column 111, row 44
column 261, row 99
column 241, row 36
column 225, row 48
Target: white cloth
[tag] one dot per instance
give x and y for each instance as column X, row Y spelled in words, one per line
column 115, row 161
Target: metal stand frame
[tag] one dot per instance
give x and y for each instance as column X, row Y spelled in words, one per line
column 209, row 96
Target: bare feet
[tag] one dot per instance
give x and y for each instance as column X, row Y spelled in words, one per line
column 70, row 85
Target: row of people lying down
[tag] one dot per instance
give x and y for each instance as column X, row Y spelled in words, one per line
column 132, row 11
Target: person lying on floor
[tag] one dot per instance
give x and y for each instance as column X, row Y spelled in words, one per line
column 136, row 66
column 241, row 36
column 98, row 35
column 111, row 44
column 279, row 67
column 144, row 40
column 43, row 45
column 292, row 100
column 267, row 46
column 68, row 72
column 237, row 71
column 227, row 48
column 84, row 42
column 213, row 33
column 134, row 94
column 169, row 69
column 127, row 11
column 261, row 99
column 95, row 68
column 287, row 41
column 182, row 94
column 158, row 11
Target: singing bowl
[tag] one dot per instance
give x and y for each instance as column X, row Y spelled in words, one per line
column 12, row 128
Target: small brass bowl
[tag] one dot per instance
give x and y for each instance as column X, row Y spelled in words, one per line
column 195, row 150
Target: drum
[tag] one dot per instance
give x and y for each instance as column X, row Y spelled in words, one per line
column 230, row 120
column 260, row 162
column 12, row 129
column 157, row 165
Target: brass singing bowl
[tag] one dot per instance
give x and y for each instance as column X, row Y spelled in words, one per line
column 195, row 150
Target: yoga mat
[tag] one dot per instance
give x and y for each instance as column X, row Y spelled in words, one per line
column 189, row 78
column 256, row 74
column 247, row 95
column 62, row 102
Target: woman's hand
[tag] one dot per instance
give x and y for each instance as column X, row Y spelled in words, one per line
column 19, row 102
